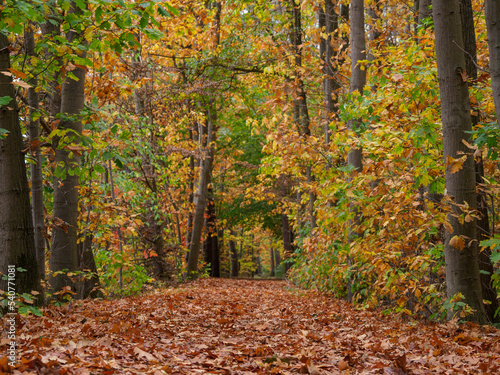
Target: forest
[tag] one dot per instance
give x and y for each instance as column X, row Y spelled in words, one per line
column 350, row 148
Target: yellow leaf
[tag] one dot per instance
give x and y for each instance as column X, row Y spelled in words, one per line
column 457, row 242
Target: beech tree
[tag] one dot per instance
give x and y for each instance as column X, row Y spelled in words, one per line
column 461, row 251
column 358, row 71
column 64, row 250
column 492, row 14
column 36, row 167
column 16, row 225
column 202, row 192
column 483, row 231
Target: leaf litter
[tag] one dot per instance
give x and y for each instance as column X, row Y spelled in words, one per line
column 221, row 326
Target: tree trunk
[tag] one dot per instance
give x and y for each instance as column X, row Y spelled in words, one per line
column 90, row 286
column 358, row 81
column 212, row 242
column 201, row 202
column 483, row 225
column 330, row 80
column 64, row 253
column 492, row 14
column 277, row 257
column 17, row 247
column 189, row 225
column 36, row 168
column 286, row 228
column 424, row 10
column 259, row 265
column 461, row 253
column 301, row 112
column 271, row 256
column 234, row 256
column 358, row 74
column 51, row 29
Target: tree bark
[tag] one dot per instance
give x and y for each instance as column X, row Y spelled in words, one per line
column 358, row 74
column 51, row 29
column 211, row 246
column 286, row 228
column 90, row 286
column 462, row 269
column 492, row 14
column 36, row 168
column 64, row 253
column 271, row 256
column 330, row 81
column 234, row 256
column 300, row 109
column 17, row 247
column 201, row 202
column 483, row 225
column 277, row 257
column 358, row 81
column 424, row 10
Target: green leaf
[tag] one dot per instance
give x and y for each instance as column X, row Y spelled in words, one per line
column 144, row 20
column 81, row 4
column 99, row 168
column 98, row 14
column 172, row 10
column 493, row 243
column 163, row 12
column 4, row 100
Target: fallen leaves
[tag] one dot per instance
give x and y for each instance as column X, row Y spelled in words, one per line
column 244, row 327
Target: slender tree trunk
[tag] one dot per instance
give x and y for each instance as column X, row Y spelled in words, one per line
column 358, row 81
column 51, row 29
column 492, row 14
column 17, row 247
column 234, row 255
column 189, row 225
column 330, row 81
column 64, row 253
column 271, row 257
column 358, row 72
column 211, row 246
column 301, row 112
column 201, row 202
column 286, row 228
column 90, row 286
column 461, row 253
column 36, row 168
column 277, row 257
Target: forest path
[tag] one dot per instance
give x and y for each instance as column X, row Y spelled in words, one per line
column 220, row 326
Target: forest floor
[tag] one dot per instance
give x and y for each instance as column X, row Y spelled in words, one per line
column 220, row 326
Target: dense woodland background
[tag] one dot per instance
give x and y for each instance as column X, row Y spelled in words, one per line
column 348, row 145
